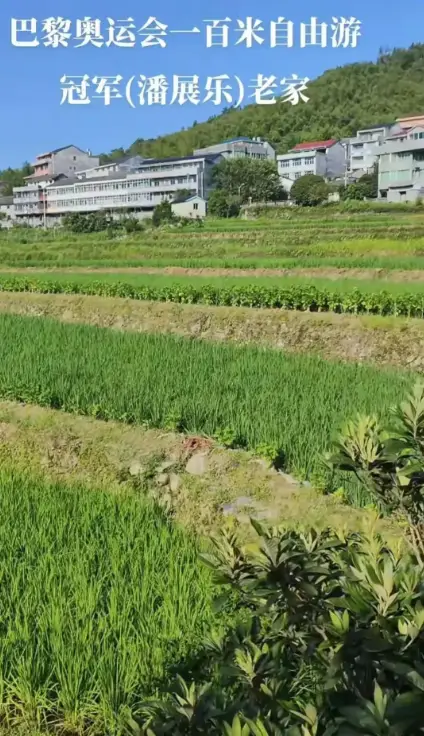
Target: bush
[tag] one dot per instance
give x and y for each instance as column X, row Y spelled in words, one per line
column 330, row 642
column 221, row 204
column 132, row 225
column 388, row 462
column 93, row 222
column 309, row 190
column 163, row 214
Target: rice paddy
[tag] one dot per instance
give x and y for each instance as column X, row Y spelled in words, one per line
column 294, row 403
column 101, row 596
column 102, row 592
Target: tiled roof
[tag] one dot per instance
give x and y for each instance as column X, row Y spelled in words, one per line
column 314, row 144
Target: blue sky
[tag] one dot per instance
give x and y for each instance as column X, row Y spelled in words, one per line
column 33, row 121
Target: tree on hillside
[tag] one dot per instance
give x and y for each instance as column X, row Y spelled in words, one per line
column 249, row 178
column 14, row 178
column 341, row 101
column 309, row 190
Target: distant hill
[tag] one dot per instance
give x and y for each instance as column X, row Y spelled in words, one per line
column 341, row 101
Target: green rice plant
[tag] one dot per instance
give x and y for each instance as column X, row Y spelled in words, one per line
column 292, row 402
column 100, row 596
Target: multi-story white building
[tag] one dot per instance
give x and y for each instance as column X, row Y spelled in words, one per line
column 401, row 165
column 131, row 184
column 119, row 191
column 240, row 148
column 324, row 158
column 363, row 149
column 29, row 200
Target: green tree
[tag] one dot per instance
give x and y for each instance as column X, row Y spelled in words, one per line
column 163, row 214
column 221, row 204
column 14, row 178
column 182, row 194
column 377, row 91
column 369, row 184
column 92, row 222
column 249, row 178
column 309, row 190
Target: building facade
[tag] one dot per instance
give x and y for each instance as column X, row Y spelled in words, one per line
column 324, row 158
column 118, row 191
column 125, row 165
column 67, row 160
column 240, row 148
column 401, row 166
column 191, row 207
column 7, row 211
column 362, row 150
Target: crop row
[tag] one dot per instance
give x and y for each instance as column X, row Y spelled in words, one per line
column 93, row 612
column 255, row 396
column 244, row 293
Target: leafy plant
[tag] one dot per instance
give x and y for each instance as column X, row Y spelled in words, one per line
column 312, row 297
column 389, row 462
column 333, row 643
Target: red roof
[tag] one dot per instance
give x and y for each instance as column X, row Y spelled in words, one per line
column 314, row 144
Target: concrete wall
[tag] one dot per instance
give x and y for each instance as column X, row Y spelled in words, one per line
column 239, row 149
column 401, row 164
column 405, row 195
column 335, row 161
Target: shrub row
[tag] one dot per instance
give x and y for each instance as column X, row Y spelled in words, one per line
column 298, row 297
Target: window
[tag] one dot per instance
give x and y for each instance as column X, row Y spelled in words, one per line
column 285, row 164
column 196, row 206
column 297, row 162
column 297, row 175
column 74, row 158
column 309, row 160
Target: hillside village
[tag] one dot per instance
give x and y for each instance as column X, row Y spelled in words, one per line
column 71, row 180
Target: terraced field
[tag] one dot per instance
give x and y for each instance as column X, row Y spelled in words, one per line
column 245, row 344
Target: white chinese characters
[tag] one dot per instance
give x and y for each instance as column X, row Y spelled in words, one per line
column 141, row 90
column 221, row 32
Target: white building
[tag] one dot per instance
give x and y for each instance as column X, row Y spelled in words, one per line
column 401, row 166
column 192, row 207
column 363, row 149
column 324, row 158
column 119, row 192
column 240, row 148
column 133, row 184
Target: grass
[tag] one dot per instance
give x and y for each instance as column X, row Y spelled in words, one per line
column 101, row 595
column 255, row 248
column 367, row 338
column 264, row 397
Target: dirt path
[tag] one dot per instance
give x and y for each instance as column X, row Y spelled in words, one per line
column 110, row 455
column 325, row 273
